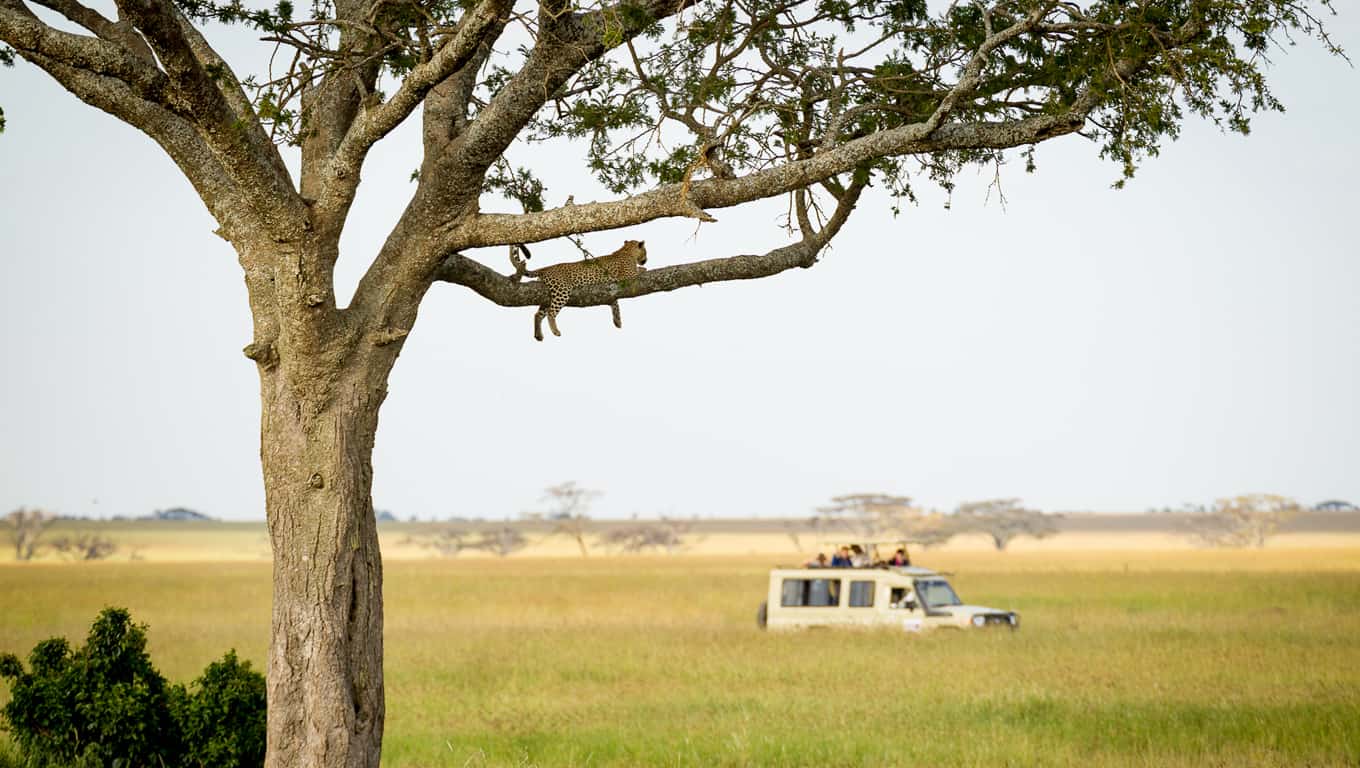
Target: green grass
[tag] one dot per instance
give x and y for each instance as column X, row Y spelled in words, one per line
column 658, row 662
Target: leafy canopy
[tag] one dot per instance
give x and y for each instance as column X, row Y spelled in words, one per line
column 756, row 83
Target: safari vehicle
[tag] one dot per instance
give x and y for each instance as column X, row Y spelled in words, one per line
column 909, row 597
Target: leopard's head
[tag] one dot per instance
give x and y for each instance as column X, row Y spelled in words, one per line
column 639, row 248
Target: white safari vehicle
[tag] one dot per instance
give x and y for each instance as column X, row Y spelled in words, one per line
column 907, row 597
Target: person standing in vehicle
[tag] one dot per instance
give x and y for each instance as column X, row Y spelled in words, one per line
column 857, row 557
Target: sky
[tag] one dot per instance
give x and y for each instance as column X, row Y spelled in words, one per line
column 1193, row 336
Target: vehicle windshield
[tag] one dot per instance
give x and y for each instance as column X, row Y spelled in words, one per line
column 937, row 592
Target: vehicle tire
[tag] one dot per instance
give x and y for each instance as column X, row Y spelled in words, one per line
column 762, row 615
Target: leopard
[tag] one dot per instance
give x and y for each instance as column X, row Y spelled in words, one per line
column 560, row 279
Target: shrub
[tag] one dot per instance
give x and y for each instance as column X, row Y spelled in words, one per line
column 106, row 705
column 222, row 721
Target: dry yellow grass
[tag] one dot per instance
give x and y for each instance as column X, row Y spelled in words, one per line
column 249, row 542
column 1127, row 656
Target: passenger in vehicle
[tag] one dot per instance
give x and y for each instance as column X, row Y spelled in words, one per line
column 901, row 597
column 857, row 557
column 817, row 562
column 900, row 558
column 842, row 558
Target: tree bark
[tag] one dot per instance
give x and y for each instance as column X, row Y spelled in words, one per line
column 325, row 659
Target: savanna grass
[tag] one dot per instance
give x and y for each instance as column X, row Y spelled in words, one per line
column 658, row 662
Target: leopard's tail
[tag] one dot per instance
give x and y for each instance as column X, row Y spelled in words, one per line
column 520, row 262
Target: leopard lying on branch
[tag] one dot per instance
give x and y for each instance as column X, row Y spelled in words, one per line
column 560, row 279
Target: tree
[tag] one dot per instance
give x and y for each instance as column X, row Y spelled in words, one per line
column 447, row 542
column 501, row 542
column 930, row 528
column 667, row 534
column 85, row 546
column 569, row 512
column 1242, row 520
column 869, row 515
column 26, row 528
column 1004, row 520
column 682, row 107
column 866, row 515
column 450, row 542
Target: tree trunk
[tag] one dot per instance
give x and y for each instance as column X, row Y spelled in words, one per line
column 325, row 658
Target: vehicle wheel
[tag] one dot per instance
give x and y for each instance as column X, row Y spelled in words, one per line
column 762, row 615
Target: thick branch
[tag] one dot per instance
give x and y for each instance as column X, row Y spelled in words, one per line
column 341, row 179
column 226, row 82
column 667, row 201
column 444, row 115
column 451, row 184
column 115, row 32
column 29, row 35
column 252, row 163
column 233, row 211
column 332, row 104
column 508, row 293
column 512, row 293
column 564, row 47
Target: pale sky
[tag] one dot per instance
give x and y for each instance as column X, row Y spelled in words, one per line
column 1193, row 336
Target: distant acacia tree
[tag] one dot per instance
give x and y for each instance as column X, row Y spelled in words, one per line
column 448, row 542
column 1004, row 520
column 930, row 528
column 872, row 515
column 866, row 515
column 1242, row 521
column 85, row 546
column 26, row 527
column 501, row 541
column 666, row 534
column 569, row 511
column 677, row 107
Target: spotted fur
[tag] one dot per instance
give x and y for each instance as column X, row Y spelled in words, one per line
column 561, row 279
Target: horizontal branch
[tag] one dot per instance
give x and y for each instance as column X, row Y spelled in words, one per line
column 502, row 290
column 671, row 201
column 507, row 292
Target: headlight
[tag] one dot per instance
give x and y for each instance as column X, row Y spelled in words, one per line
column 979, row 620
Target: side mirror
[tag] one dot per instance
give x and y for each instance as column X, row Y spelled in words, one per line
column 909, row 605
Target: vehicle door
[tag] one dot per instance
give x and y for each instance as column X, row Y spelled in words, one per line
column 905, row 609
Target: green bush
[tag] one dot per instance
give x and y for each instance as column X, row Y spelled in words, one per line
column 106, row 706
column 222, row 720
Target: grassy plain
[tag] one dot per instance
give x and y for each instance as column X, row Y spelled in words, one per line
column 1137, row 657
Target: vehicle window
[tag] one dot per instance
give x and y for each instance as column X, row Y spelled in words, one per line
column 810, row 593
column 897, row 597
column 862, row 594
column 937, row 592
